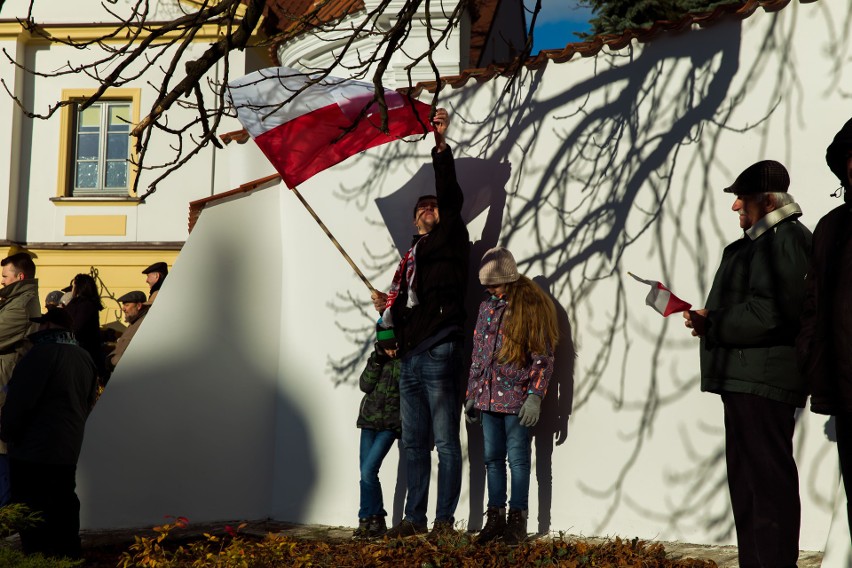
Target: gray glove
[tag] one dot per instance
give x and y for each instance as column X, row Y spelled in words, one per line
column 471, row 415
column 530, row 411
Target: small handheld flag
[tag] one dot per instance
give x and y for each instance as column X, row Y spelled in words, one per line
column 661, row 298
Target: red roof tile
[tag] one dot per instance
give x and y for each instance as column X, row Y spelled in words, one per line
column 594, row 45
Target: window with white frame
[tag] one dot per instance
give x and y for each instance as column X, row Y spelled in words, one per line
column 101, row 149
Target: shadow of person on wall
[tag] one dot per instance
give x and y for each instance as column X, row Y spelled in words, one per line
column 483, row 183
column 556, row 407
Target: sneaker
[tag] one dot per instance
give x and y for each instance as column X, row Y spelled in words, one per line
column 495, row 525
column 361, row 531
column 516, row 527
column 441, row 530
column 406, row 528
column 376, row 527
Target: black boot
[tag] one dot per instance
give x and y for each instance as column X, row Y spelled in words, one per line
column 516, row 527
column 495, row 524
column 376, row 527
column 361, row 531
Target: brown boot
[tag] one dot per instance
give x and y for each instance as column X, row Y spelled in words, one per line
column 495, row 525
column 516, row 527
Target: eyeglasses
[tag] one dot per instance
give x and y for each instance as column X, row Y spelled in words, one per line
column 427, row 205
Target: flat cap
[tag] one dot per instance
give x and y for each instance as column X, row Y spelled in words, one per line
column 160, row 267
column 767, row 176
column 134, row 297
column 53, row 297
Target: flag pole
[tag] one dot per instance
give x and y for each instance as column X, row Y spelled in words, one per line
column 334, row 241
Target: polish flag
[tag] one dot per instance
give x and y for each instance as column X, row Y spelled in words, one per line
column 661, row 299
column 309, row 133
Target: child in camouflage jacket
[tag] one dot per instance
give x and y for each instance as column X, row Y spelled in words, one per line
column 380, row 427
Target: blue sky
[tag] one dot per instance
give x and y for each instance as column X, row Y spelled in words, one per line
column 557, row 22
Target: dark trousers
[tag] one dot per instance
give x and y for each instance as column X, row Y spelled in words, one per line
column 763, row 479
column 843, row 425
column 48, row 490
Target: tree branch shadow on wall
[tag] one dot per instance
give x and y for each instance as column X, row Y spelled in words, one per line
column 608, row 182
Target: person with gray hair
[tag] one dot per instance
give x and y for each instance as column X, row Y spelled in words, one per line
column 747, row 330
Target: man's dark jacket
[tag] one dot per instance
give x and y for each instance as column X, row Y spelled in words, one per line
column 441, row 264
column 824, row 349
column 754, row 308
column 51, row 393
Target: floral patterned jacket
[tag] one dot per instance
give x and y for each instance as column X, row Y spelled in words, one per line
column 496, row 386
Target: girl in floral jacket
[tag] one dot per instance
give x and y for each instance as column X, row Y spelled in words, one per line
column 516, row 333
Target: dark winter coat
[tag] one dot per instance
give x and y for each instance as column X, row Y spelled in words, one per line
column 441, row 265
column 823, row 345
column 85, row 315
column 754, row 306
column 380, row 405
column 51, row 393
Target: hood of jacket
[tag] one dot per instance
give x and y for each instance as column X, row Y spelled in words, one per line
column 18, row 287
column 835, row 154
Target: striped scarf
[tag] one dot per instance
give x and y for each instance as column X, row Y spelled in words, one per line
column 403, row 279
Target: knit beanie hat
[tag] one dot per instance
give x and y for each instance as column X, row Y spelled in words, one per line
column 498, row 267
column 385, row 337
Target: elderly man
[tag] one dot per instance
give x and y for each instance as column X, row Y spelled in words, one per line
column 51, row 393
column 747, row 330
column 155, row 275
column 135, row 307
column 425, row 306
column 18, row 303
column 824, row 342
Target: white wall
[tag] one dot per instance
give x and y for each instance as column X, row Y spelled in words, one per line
column 590, row 168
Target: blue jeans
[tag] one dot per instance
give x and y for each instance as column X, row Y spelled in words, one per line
column 430, row 405
column 504, row 434
column 375, row 445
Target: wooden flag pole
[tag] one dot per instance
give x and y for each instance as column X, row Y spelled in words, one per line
column 334, row 240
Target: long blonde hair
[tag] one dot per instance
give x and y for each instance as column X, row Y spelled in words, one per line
column 529, row 324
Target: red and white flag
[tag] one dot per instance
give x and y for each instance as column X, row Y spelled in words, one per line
column 661, row 298
column 306, row 135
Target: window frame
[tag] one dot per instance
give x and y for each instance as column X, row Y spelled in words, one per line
column 68, row 141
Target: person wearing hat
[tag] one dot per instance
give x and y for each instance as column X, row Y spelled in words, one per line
column 823, row 343
column 134, row 306
column 512, row 362
column 18, row 303
column 52, row 299
column 378, row 419
column 155, row 275
column 747, row 332
column 425, row 308
column 50, row 395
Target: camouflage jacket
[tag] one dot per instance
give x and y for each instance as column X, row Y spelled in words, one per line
column 380, row 405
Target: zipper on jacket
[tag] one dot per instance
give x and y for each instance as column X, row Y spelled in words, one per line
column 742, row 357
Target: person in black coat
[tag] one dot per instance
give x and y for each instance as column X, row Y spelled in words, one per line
column 823, row 343
column 85, row 307
column 51, row 392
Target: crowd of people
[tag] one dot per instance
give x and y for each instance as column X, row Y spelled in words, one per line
column 52, row 367
column 775, row 329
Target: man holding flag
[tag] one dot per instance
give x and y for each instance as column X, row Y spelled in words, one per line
column 747, row 330
column 425, row 306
